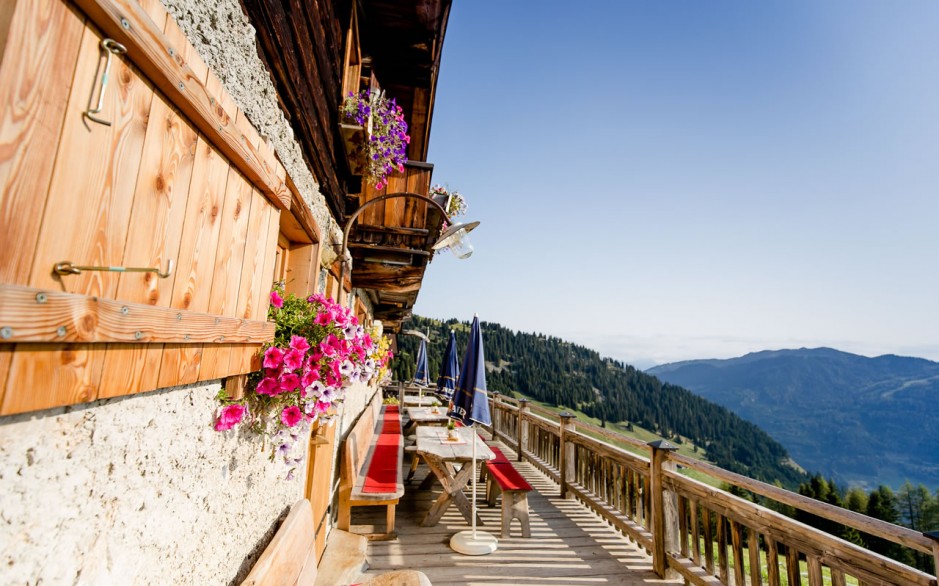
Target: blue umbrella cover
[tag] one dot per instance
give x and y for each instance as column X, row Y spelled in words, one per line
column 421, row 375
column 446, row 382
column 470, row 402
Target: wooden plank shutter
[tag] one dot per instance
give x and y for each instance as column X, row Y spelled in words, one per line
column 200, row 189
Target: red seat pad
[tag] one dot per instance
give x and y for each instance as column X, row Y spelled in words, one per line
column 391, row 420
column 382, row 473
column 507, row 476
column 500, row 457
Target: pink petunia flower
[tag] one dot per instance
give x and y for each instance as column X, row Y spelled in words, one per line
column 229, row 417
column 291, row 416
column 289, row 382
column 268, row 386
column 276, row 300
column 273, row 357
column 299, row 343
column 293, row 359
column 310, row 376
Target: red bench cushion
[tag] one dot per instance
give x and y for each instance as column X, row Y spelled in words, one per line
column 507, row 476
column 500, row 457
column 391, row 420
column 383, row 468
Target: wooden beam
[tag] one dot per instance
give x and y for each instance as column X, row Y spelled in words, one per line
column 162, row 63
column 303, row 56
column 36, row 315
column 394, row 230
column 391, row 249
column 386, row 278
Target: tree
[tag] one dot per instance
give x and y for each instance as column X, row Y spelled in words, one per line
column 882, row 504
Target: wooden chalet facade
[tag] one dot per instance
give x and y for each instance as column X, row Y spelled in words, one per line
column 120, row 146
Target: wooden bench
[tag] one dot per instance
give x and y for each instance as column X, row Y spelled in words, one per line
column 370, row 473
column 502, row 478
column 290, row 558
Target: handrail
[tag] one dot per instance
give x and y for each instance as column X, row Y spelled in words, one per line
column 673, row 515
column 889, row 531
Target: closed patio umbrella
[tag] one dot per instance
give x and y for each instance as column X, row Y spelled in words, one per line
column 422, row 373
column 470, row 405
column 446, row 382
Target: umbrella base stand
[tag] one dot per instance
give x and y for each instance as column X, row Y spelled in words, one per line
column 483, row 544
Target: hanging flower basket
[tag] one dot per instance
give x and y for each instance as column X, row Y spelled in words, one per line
column 319, row 351
column 376, row 139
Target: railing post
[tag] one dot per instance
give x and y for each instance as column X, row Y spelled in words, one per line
column 664, row 510
column 401, row 395
column 566, row 462
column 521, row 430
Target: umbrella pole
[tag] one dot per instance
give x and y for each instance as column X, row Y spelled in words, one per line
column 474, row 484
column 471, row 542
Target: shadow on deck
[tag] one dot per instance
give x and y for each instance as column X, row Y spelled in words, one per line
column 569, row 543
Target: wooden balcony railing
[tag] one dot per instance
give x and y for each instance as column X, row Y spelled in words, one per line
column 704, row 534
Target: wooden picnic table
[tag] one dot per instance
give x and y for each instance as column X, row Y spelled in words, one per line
column 415, row 401
column 442, row 457
column 424, row 415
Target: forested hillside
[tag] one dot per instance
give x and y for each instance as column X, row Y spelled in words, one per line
column 560, row 373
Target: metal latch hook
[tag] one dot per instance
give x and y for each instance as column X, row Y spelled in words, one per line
column 67, row 268
column 108, row 47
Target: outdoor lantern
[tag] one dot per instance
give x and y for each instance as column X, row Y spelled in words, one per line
column 456, row 238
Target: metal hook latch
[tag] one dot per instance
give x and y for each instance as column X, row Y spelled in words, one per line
column 67, row 268
column 108, row 47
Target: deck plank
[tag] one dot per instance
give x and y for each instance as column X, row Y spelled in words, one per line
column 569, row 543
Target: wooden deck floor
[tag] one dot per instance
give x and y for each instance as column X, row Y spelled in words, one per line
column 569, row 543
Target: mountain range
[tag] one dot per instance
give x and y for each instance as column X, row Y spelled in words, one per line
column 862, row 421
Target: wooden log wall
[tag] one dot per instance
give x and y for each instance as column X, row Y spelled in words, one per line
column 302, row 45
column 178, row 175
column 713, row 537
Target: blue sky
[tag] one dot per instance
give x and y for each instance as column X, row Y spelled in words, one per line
column 671, row 180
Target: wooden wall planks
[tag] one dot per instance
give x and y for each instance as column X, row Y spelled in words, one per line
column 147, row 189
column 193, row 285
column 149, row 48
column 226, row 273
column 45, row 36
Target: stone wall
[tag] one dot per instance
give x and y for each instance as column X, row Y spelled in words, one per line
column 135, row 490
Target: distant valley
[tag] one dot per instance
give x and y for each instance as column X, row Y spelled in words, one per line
column 863, row 421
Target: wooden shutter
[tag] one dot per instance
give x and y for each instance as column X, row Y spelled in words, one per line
column 179, row 174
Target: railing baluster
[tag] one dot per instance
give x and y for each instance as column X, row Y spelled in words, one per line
column 708, row 540
column 815, row 571
column 736, row 540
column 792, row 566
column 837, row 577
column 722, row 549
column 683, row 526
column 772, row 562
column 695, row 533
column 753, row 544
column 522, row 428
